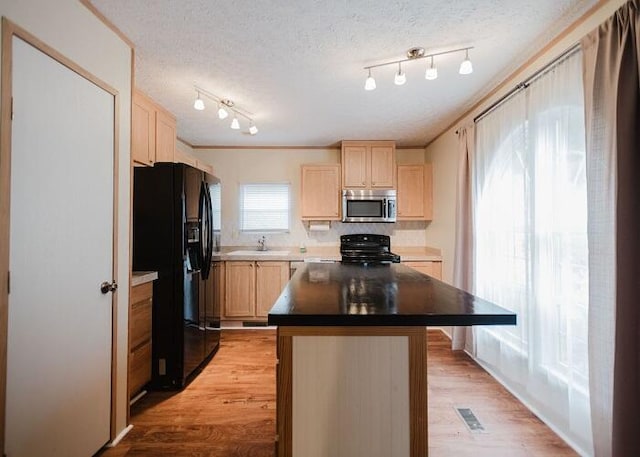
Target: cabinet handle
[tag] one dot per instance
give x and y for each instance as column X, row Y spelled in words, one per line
column 257, row 265
column 251, row 265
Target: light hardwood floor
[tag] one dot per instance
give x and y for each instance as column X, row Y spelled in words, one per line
column 229, row 409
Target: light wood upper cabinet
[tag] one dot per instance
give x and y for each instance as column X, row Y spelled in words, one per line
column 143, row 130
column 240, row 289
column 207, row 168
column 183, row 157
column 415, row 193
column 165, row 136
column 251, row 288
column 354, row 166
column 383, row 166
column 153, row 131
column 320, row 192
column 368, row 164
column 271, row 277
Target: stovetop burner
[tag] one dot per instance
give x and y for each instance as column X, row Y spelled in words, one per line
column 367, row 249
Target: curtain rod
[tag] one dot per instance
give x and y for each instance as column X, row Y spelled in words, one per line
column 524, row 84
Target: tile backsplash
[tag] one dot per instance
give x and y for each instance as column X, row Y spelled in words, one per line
column 405, row 233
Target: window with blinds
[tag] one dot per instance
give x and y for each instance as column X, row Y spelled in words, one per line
column 264, row 207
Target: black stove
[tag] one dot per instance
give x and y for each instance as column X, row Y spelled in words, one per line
column 367, row 249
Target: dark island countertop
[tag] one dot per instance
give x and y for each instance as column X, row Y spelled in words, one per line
column 333, row 294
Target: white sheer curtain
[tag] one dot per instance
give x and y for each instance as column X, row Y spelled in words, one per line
column 530, row 241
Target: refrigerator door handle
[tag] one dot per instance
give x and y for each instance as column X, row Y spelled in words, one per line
column 201, row 220
column 206, row 247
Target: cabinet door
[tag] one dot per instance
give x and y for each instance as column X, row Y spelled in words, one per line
column 240, row 289
column 139, row 368
column 354, row 167
column 165, row 137
column 383, row 166
column 320, row 192
column 411, row 192
column 140, row 325
column 433, row 269
column 271, row 277
column 143, row 130
column 415, row 198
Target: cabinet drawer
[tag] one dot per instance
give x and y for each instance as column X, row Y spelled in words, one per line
column 140, row 323
column 141, row 292
column 139, row 368
column 433, row 269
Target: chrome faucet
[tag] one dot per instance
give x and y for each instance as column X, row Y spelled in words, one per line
column 261, row 244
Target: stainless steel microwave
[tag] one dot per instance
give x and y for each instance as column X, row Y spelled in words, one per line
column 368, row 205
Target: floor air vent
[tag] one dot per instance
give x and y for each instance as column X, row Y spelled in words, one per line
column 470, row 420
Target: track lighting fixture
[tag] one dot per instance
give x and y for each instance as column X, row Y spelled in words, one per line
column 416, row 54
column 225, row 106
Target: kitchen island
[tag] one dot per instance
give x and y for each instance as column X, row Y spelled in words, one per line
column 352, row 357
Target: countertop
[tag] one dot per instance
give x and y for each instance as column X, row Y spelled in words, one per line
column 332, row 294
column 293, row 254
column 142, row 277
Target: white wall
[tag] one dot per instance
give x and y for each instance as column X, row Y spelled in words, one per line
column 238, row 166
column 71, row 29
column 443, row 151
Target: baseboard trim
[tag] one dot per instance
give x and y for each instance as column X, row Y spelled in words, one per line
column 120, row 436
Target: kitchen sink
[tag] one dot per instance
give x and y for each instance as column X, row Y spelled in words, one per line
column 259, row 253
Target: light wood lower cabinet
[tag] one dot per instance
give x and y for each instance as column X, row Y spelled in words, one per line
column 217, row 282
column 140, row 337
column 251, row 288
column 433, row 269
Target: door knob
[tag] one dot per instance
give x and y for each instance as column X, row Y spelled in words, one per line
column 107, row 287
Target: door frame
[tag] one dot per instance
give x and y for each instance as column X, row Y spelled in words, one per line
column 9, row 31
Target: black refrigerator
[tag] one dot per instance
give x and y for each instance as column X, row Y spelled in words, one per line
column 173, row 234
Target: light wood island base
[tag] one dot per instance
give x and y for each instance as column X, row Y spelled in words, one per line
column 352, row 391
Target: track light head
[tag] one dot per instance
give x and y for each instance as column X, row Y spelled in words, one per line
column 466, row 68
column 199, row 103
column 222, row 112
column 400, row 77
column 432, row 71
column 370, row 83
column 235, row 125
column 253, row 129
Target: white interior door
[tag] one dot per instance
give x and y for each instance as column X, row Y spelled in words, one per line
column 61, row 249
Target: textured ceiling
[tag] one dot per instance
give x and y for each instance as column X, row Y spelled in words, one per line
column 297, row 65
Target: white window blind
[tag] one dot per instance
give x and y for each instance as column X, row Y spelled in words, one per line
column 264, row 207
column 216, row 203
